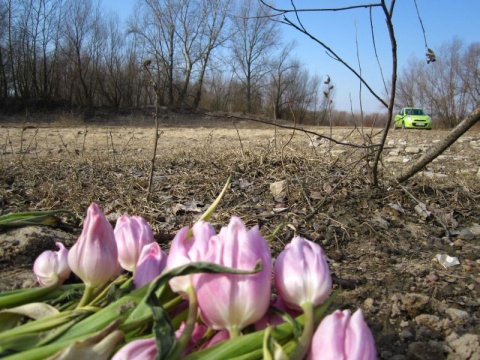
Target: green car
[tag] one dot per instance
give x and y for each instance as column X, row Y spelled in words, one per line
column 412, row 118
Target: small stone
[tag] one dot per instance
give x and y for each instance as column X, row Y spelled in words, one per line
column 404, row 323
column 458, row 243
column 279, row 190
column 412, row 150
column 459, row 317
column 369, row 306
column 471, row 286
column 414, row 303
column 406, row 335
column 467, row 267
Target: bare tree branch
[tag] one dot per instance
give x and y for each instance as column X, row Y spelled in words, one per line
column 294, row 128
column 329, row 50
column 391, row 103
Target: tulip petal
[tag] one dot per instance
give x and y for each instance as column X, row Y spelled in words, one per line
column 230, row 301
column 94, row 257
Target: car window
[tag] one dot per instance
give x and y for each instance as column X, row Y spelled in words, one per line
column 409, row 112
column 418, row 112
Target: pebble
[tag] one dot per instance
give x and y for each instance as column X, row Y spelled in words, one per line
column 467, row 267
column 458, row 243
column 459, row 317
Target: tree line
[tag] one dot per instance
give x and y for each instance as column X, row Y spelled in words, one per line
column 216, row 54
column 220, row 55
column 449, row 89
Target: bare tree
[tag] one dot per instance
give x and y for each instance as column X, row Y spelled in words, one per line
column 213, row 35
column 282, row 67
column 79, row 34
column 449, row 89
column 254, row 37
column 4, row 10
column 470, row 73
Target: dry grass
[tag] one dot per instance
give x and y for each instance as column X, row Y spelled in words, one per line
column 375, row 250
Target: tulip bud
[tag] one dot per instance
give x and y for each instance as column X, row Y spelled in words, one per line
column 94, row 257
column 51, row 267
column 233, row 301
column 302, row 274
column 144, row 349
column 342, row 336
column 185, row 250
column 151, row 263
column 131, row 235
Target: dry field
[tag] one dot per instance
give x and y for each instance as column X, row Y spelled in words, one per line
column 382, row 246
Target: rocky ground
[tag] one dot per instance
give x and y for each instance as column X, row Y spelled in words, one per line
column 407, row 254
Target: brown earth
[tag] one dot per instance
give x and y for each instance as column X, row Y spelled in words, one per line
column 382, row 242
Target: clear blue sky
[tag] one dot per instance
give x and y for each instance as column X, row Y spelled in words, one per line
column 442, row 19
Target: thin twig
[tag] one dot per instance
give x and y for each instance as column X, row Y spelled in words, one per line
column 292, row 128
column 376, row 53
column 113, row 148
column 239, row 139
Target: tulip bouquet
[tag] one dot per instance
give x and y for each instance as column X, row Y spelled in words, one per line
column 214, row 296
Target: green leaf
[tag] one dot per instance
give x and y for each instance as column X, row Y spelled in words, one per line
column 9, row 318
column 31, row 218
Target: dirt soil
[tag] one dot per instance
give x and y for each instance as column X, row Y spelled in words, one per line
column 382, row 242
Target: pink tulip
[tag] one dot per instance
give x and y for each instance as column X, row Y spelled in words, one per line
column 231, row 301
column 199, row 331
column 94, row 257
column 343, row 336
column 151, row 263
column 131, row 234
column 302, row 274
column 51, row 267
column 145, row 349
column 185, row 250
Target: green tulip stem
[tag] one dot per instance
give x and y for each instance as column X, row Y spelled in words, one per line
column 102, row 291
column 234, row 332
column 26, row 296
column 187, row 332
column 87, row 294
column 305, row 339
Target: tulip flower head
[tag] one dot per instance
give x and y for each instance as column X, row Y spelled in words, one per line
column 232, row 301
column 144, row 349
column 51, row 267
column 151, row 263
column 341, row 335
column 94, row 257
column 131, row 235
column 302, row 274
column 184, row 250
